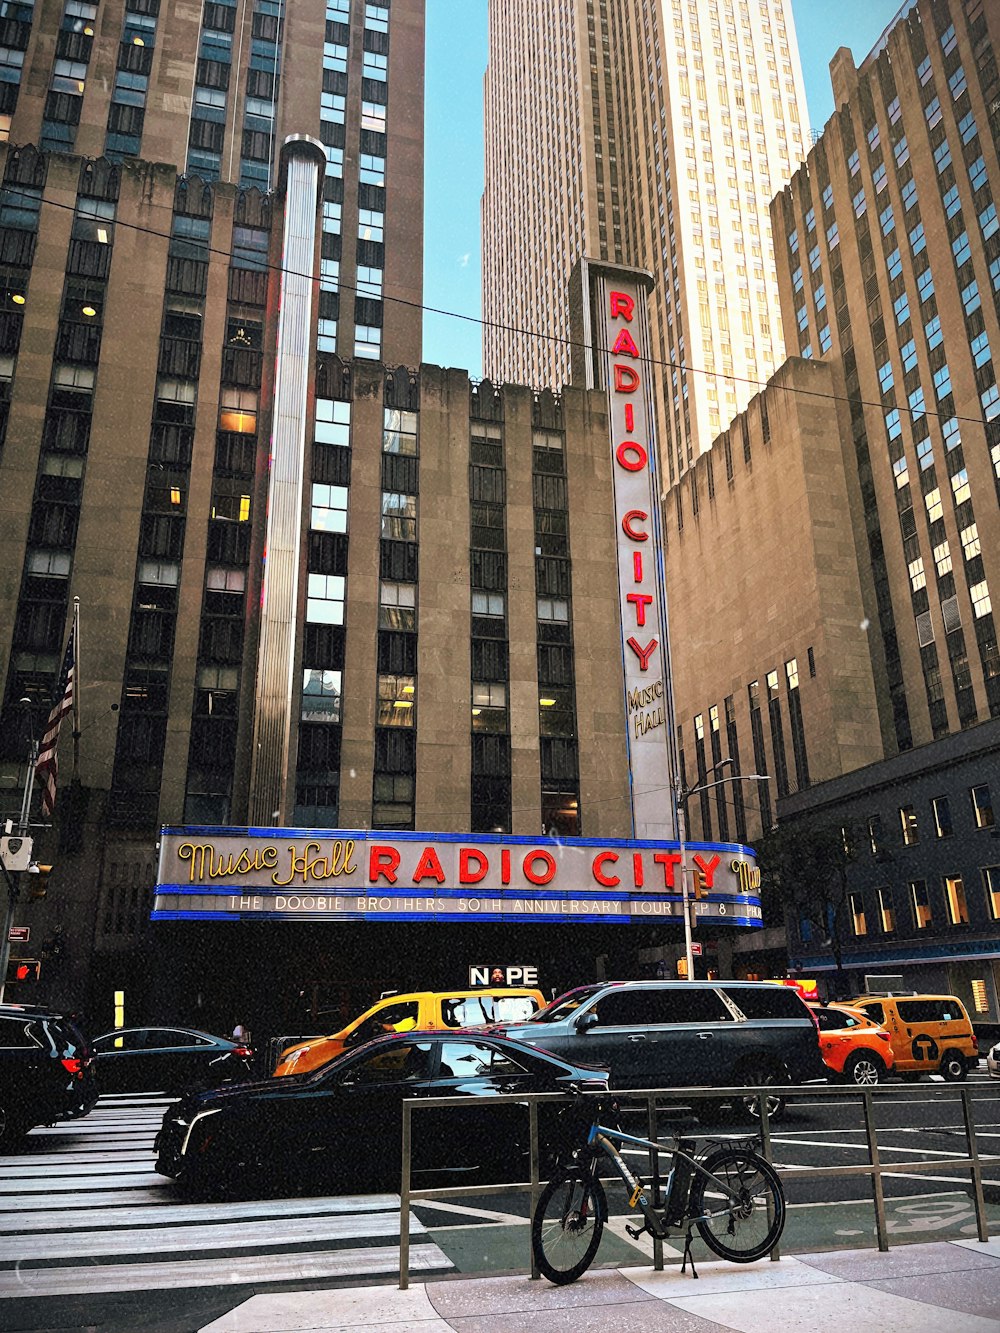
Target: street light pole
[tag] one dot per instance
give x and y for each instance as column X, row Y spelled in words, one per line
column 11, row 884
column 683, row 795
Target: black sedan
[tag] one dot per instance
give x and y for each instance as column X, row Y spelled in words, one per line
column 340, row 1125
column 167, row 1059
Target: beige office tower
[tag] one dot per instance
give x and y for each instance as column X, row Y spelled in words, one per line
column 657, row 132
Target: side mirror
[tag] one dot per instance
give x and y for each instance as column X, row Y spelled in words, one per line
column 586, row 1021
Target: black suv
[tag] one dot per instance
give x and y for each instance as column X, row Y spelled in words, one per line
column 682, row 1034
column 46, row 1072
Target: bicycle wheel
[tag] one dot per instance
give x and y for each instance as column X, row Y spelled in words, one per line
column 567, row 1225
column 743, row 1222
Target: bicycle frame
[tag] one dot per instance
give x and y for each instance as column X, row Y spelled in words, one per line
column 600, row 1137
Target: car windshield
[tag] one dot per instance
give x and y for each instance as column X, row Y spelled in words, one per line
column 564, row 1005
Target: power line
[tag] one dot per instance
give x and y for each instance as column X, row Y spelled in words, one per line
column 534, row 334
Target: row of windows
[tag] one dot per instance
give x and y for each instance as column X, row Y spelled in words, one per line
column 927, row 904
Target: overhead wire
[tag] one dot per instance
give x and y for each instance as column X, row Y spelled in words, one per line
column 535, row 334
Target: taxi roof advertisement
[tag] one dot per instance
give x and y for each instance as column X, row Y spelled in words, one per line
column 313, row 874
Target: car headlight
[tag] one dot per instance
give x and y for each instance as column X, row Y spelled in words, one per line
column 194, row 1120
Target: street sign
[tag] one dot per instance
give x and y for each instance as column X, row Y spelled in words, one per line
column 19, row 934
column 696, row 949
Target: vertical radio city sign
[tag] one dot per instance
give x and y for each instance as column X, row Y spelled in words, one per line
column 611, row 302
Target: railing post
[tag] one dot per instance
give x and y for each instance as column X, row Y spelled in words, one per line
column 765, row 1146
column 976, row 1166
column 878, row 1193
column 533, row 1137
column 404, row 1204
column 655, row 1173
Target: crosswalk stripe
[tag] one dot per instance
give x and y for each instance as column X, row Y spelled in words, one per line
column 65, row 1185
column 191, row 1239
column 25, row 1170
column 161, row 1214
column 248, row 1269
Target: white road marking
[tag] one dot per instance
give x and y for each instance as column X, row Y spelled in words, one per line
column 160, row 1214
column 191, row 1239
column 249, row 1269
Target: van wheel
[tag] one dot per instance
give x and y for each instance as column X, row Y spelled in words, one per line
column 953, row 1066
column 864, row 1069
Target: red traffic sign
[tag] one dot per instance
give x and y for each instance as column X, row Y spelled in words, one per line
column 19, row 934
column 696, row 949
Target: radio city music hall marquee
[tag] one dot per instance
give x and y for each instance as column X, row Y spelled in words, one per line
column 296, row 874
column 326, row 875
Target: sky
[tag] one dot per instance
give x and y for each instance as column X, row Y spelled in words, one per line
column 453, row 148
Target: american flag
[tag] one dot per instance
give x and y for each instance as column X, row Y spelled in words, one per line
column 47, row 763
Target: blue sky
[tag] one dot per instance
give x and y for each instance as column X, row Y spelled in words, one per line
column 453, row 151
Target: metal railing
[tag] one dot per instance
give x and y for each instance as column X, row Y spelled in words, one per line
column 654, row 1100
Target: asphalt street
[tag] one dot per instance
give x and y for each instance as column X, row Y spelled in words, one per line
column 91, row 1237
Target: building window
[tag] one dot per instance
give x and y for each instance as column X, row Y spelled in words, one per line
column 908, row 822
column 886, row 917
column 397, row 697
column 857, row 906
column 397, row 606
column 329, row 508
column 321, row 695
column 325, row 599
column 553, row 609
column 942, row 816
column 333, row 422
column 982, row 806
column 489, row 706
column 954, row 895
column 399, row 516
column 991, row 883
column 920, row 901
column 399, row 433
column 875, row 834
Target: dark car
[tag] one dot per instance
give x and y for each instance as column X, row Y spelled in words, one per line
column 46, row 1073
column 341, row 1124
column 167, row 1059
column 683, row 1034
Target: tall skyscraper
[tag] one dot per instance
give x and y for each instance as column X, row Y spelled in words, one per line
column 654, row 134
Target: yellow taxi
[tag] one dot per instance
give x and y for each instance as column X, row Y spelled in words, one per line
column 929, row 1034
column 417, row 1009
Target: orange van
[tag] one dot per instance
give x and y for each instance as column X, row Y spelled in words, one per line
column 418, row 1009
column 930, row 1034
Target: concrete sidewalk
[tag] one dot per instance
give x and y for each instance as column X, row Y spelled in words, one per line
column 946, row 1287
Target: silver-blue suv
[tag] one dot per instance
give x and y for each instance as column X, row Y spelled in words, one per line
column 683, row 1034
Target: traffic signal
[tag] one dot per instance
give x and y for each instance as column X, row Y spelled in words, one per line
column 700, row 883
column 21, row 970
column 38, row 880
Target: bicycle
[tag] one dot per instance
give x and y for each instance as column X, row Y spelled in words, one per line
column 731, row 1194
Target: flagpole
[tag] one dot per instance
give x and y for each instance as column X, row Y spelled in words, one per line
column 76, row 689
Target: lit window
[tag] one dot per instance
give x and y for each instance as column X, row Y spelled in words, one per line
column 887, row 919
column 991, row 883
column 941, row 807
column 920, row 901
column 942, row 559
column 982, row 806
column 238, row 411
column 857, row 907
column 954, row 896
column 981, row 604
column 960, row 486
column 908, row 823
column 397, row 701
column 970, row 541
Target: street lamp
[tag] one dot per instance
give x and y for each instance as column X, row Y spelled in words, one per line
column 682, row 795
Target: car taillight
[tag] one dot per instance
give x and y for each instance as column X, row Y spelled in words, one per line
column 72, row 1065
column 883, row 1036
column 244, row 1052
